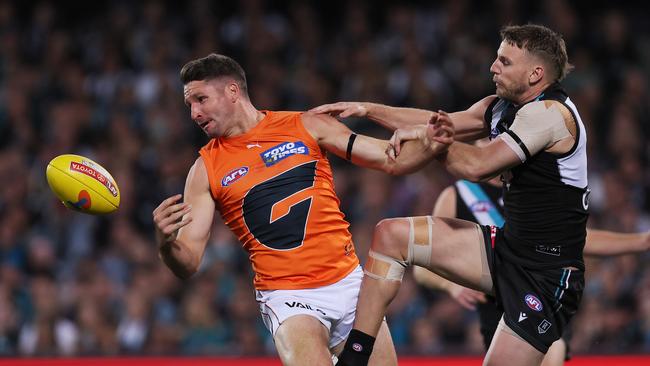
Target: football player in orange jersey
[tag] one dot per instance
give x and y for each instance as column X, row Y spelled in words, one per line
column 267, row 174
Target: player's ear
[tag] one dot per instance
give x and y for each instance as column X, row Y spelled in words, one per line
column 536, row 74
column 232, row 91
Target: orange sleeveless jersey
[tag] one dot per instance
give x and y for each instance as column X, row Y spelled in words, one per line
column 273, row 187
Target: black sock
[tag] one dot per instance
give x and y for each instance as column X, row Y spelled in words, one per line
column 357, row 349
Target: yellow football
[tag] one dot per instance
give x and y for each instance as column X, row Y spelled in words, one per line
column 82, row 184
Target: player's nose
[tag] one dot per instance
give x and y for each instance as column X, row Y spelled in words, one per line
column 494, row 68
column 195, row 112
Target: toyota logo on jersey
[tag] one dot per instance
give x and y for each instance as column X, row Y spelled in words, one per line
column 284, row 150
column 533, row 302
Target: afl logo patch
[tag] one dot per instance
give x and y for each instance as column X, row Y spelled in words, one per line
column 533, row 302
column 233, row 176
column 481, row 206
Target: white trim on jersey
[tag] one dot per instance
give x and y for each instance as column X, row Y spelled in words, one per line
column 473, row 196
column 573, row 168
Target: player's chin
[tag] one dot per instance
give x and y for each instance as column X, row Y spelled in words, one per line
column 211, row 133
column 503, row 93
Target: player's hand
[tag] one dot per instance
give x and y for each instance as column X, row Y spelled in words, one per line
column 168, row 218
column 342, row 109
column 466, row 297
column 438, row 134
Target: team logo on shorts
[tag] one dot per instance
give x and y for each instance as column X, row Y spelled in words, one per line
column 543, row 326
column 280, row 152
column 533, row 302
column 233, row 176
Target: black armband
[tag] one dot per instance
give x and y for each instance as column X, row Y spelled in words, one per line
column 348, row 153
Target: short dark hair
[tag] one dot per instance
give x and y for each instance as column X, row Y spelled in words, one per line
column 214, row 66
column 541, row 42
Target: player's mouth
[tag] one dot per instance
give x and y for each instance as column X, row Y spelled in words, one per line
column 205, row 124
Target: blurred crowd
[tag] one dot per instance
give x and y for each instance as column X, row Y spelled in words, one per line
column 101, row 80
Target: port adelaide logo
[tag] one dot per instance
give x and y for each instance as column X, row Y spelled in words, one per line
column 280, row 152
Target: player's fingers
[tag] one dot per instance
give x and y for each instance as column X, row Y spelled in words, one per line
column 346, row 113
column 167, row 202
column 174, row 217
column 480, row 297
column 171, row 229
column 166, row 212
column 325, row 108
column 176, row 207
column 443, row 134
column 182, row 223
column 353, row 110
column 172, row 199
column 464, row 302
column 397, row 142
column 390, row 151
column 434, row 119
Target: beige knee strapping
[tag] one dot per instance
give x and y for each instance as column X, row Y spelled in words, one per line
column 383, row 267
column 420, row 235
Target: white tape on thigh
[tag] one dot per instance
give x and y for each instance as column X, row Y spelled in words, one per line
column 383, row 267
column 419, row 247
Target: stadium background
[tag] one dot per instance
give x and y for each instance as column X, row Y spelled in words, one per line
column 101, row 80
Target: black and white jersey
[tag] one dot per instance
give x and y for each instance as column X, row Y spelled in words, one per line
column 546, row 197
column 481, row 203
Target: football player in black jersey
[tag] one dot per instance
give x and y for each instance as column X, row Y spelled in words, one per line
column 482, row 203
column 533, row 265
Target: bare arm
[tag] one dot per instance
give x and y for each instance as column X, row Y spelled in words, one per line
column 479, row 163
column 370, row 152
column 468, row 124
column 604, row 243
column 183, row 229
column 538, row 126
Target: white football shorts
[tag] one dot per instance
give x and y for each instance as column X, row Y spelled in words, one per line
column 333, row 305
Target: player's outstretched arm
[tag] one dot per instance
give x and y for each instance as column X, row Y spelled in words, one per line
column 391, row 118
column 468, row 124
column 183, row 228
column 605, row 243
column 373, row 153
